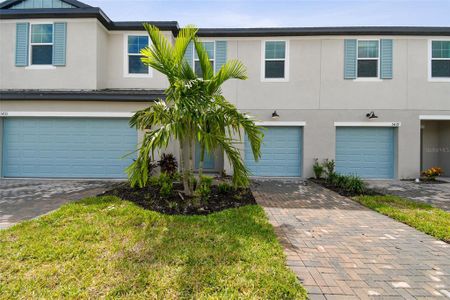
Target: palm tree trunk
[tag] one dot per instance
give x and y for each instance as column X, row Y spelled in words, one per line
column 191, row 166
column 200, row 163
column 185, row 174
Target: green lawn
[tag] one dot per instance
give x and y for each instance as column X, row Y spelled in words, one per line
column 423, row 217
column 105, row 247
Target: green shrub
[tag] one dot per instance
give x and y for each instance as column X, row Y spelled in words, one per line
column 318, row 169
column 224, row 188
column 329, row 165
column 154, row 181
column 164, row 178
column 355, row 185
column 166, row 189
column 203, row 190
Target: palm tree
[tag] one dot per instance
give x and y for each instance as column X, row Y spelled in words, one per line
column 194, row 110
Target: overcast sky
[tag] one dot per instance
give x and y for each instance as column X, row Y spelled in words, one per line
column 270, row 13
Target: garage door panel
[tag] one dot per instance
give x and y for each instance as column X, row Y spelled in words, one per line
column 366, row 152
column 280, row 153
column 67, row 147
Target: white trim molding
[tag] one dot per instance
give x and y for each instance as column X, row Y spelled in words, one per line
column 367, row 124
column 263, row 62
column 281, row 123
column 126, row 74
column 66, row 114
column 434, row 117
column 430, row 59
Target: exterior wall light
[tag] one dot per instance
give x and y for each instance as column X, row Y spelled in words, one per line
column 275, row 116
column 372, row 115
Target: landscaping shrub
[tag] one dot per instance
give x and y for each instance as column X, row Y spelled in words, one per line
column 224, row 188
column 318, row 169
column 347, row 184
column 329, row 165
column 166, row 189
column 354, row 185
column 204, row 188
column 432, row 173
column 168, row 164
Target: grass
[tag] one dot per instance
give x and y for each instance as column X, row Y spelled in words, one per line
column 103, row 247
column 423, row 217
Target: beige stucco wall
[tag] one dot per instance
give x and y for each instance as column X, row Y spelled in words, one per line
column 80, row 71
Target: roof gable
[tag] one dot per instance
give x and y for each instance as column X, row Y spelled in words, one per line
column 42, row 4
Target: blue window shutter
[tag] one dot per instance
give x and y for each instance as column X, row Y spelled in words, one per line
column 189, row 54
column 59, row 44
column 386, row 59
column 221, row 54
column 22, row 38
column 350, row 59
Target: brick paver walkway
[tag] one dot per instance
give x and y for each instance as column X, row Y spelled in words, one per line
column 341, row 250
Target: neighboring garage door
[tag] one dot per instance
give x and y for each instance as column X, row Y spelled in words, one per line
column 368, row 152
column 67, row 147
column 280, row 153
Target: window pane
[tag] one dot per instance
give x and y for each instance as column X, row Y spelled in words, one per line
column 440, row 68
column 275, row 50
column 135, row 65
column 441, row 49
column 274, row 69
column 367, row 49
column 42, row 33
column 198, row 68
column 41, row 55
column 209, row 46
column 136, row 43
column 367, row 68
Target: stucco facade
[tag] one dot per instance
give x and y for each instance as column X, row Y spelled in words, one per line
column 315, row 96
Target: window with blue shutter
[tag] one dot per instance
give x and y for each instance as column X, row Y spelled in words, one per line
column 210, row 49
column 350, row 59
column 386, row 59
column 22, row 37
column 59, row 44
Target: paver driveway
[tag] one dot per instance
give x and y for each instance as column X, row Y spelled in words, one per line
column 23, row 199
column 340, row 249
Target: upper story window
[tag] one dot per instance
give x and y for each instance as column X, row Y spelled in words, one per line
column 440, row 59
column 368, row 58
column 275, row 60
column 41, row 44
column 134, row 65
column 210, row 49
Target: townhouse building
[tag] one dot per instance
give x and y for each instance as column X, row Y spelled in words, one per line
column 375, row 99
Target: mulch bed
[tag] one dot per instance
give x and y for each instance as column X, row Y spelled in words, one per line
column 341, row 191
column 179, row 204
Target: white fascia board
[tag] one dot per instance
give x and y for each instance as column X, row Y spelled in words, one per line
column 64, row 114
column 367, row 124
column 280, row 123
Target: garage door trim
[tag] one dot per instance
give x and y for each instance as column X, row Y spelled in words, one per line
column 65, row 114
column 368, row 124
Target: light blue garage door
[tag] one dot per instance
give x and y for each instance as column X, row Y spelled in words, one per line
column 368, row 152
column 281, row 153
column 67, row 147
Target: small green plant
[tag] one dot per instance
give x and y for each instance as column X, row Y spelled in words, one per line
column 224, row 188
column 329, row 165
column 193, row 181
column 318, row 169
column 354, row 185
column 154, row 181
column 166, row 189
column 203, row 190
column 164, row 178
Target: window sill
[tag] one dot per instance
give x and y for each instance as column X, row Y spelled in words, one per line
column 137, row 75
column 368, row 80
column 437, row 79
column 40, row 67
column 274, row 80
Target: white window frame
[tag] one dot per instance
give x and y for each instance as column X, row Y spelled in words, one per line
column 196, row 59
column 263, row 62
column 126, row 54
column 30, row 46
column 430, row 59
column 377, row 78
